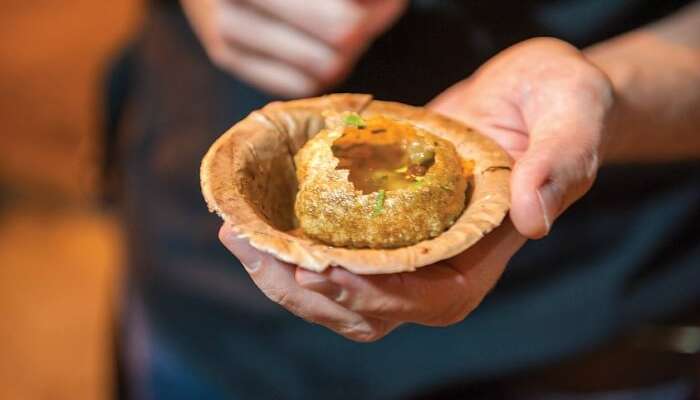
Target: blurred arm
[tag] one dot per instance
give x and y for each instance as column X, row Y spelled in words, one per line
column 655, row 73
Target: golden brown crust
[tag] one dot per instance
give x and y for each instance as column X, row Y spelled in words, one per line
column 247, row 178
column 331, row 209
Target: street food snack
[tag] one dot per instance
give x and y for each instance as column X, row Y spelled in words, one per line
column 380, row 187
column 378, row 182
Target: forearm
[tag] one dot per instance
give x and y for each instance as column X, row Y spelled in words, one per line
column 655, row 73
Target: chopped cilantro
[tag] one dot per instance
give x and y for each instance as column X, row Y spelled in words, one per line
column 354, row 120
column 378, row 203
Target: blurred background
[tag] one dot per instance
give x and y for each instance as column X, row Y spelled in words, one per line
column 60, row 252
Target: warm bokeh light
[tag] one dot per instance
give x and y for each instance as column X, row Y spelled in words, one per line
column 59, row 256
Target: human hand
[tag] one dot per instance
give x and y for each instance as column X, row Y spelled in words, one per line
column 365, row 308
column 547, row 106
column 291, row 48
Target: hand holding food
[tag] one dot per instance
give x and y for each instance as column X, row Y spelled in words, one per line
column 384, row 202
column 540, row 100
column 550, row 108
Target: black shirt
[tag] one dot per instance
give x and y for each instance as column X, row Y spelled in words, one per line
column 626, row 253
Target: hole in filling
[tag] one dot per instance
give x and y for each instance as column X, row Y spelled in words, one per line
column 383, row 154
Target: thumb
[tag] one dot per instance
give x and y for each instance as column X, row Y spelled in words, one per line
column 558, row 168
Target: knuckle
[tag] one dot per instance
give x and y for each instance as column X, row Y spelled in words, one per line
column 291, row 303
column 221, row 28
column 367, row 336
column 598, row 79
column 343, row 278
column 342, row 35
column 361, row 331
column 467, row 308
column 388, row 305
column 584, row 168
column 589, row 163
column 455, row 313
column 378, row 304
column 300, row 54
column 548, row 41
column 282, row 298
column 592, row 84
column 447, row 318
column 441, row 321
column 279, row 296
column 224, row 234
column 468, row 305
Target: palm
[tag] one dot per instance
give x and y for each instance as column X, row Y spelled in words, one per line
column 493, row 116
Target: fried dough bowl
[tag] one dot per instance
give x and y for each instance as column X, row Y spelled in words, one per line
column 381, row 184
column 249, row 178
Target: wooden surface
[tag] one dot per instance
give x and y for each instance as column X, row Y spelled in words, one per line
column 59, row 257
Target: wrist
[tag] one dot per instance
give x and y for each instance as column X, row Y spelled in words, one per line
column 619, row 75
column 656, row 85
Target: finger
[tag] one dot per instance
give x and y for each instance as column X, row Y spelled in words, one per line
column 437, row 295
column 407, row 297
column 332, row 21
column 559, row 165
column 485, row 262
column 276, row 280
column 273, row 39
column 269, row 75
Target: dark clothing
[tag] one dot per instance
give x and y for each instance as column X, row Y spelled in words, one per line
column 626, row 253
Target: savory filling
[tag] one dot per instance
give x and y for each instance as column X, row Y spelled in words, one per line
column 382, row 154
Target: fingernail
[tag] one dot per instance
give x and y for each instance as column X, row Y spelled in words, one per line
column 319, row 284
column 550, row 201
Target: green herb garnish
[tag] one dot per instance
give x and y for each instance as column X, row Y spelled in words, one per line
column 354, row 120
column 378, row 203
column 418, row 181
